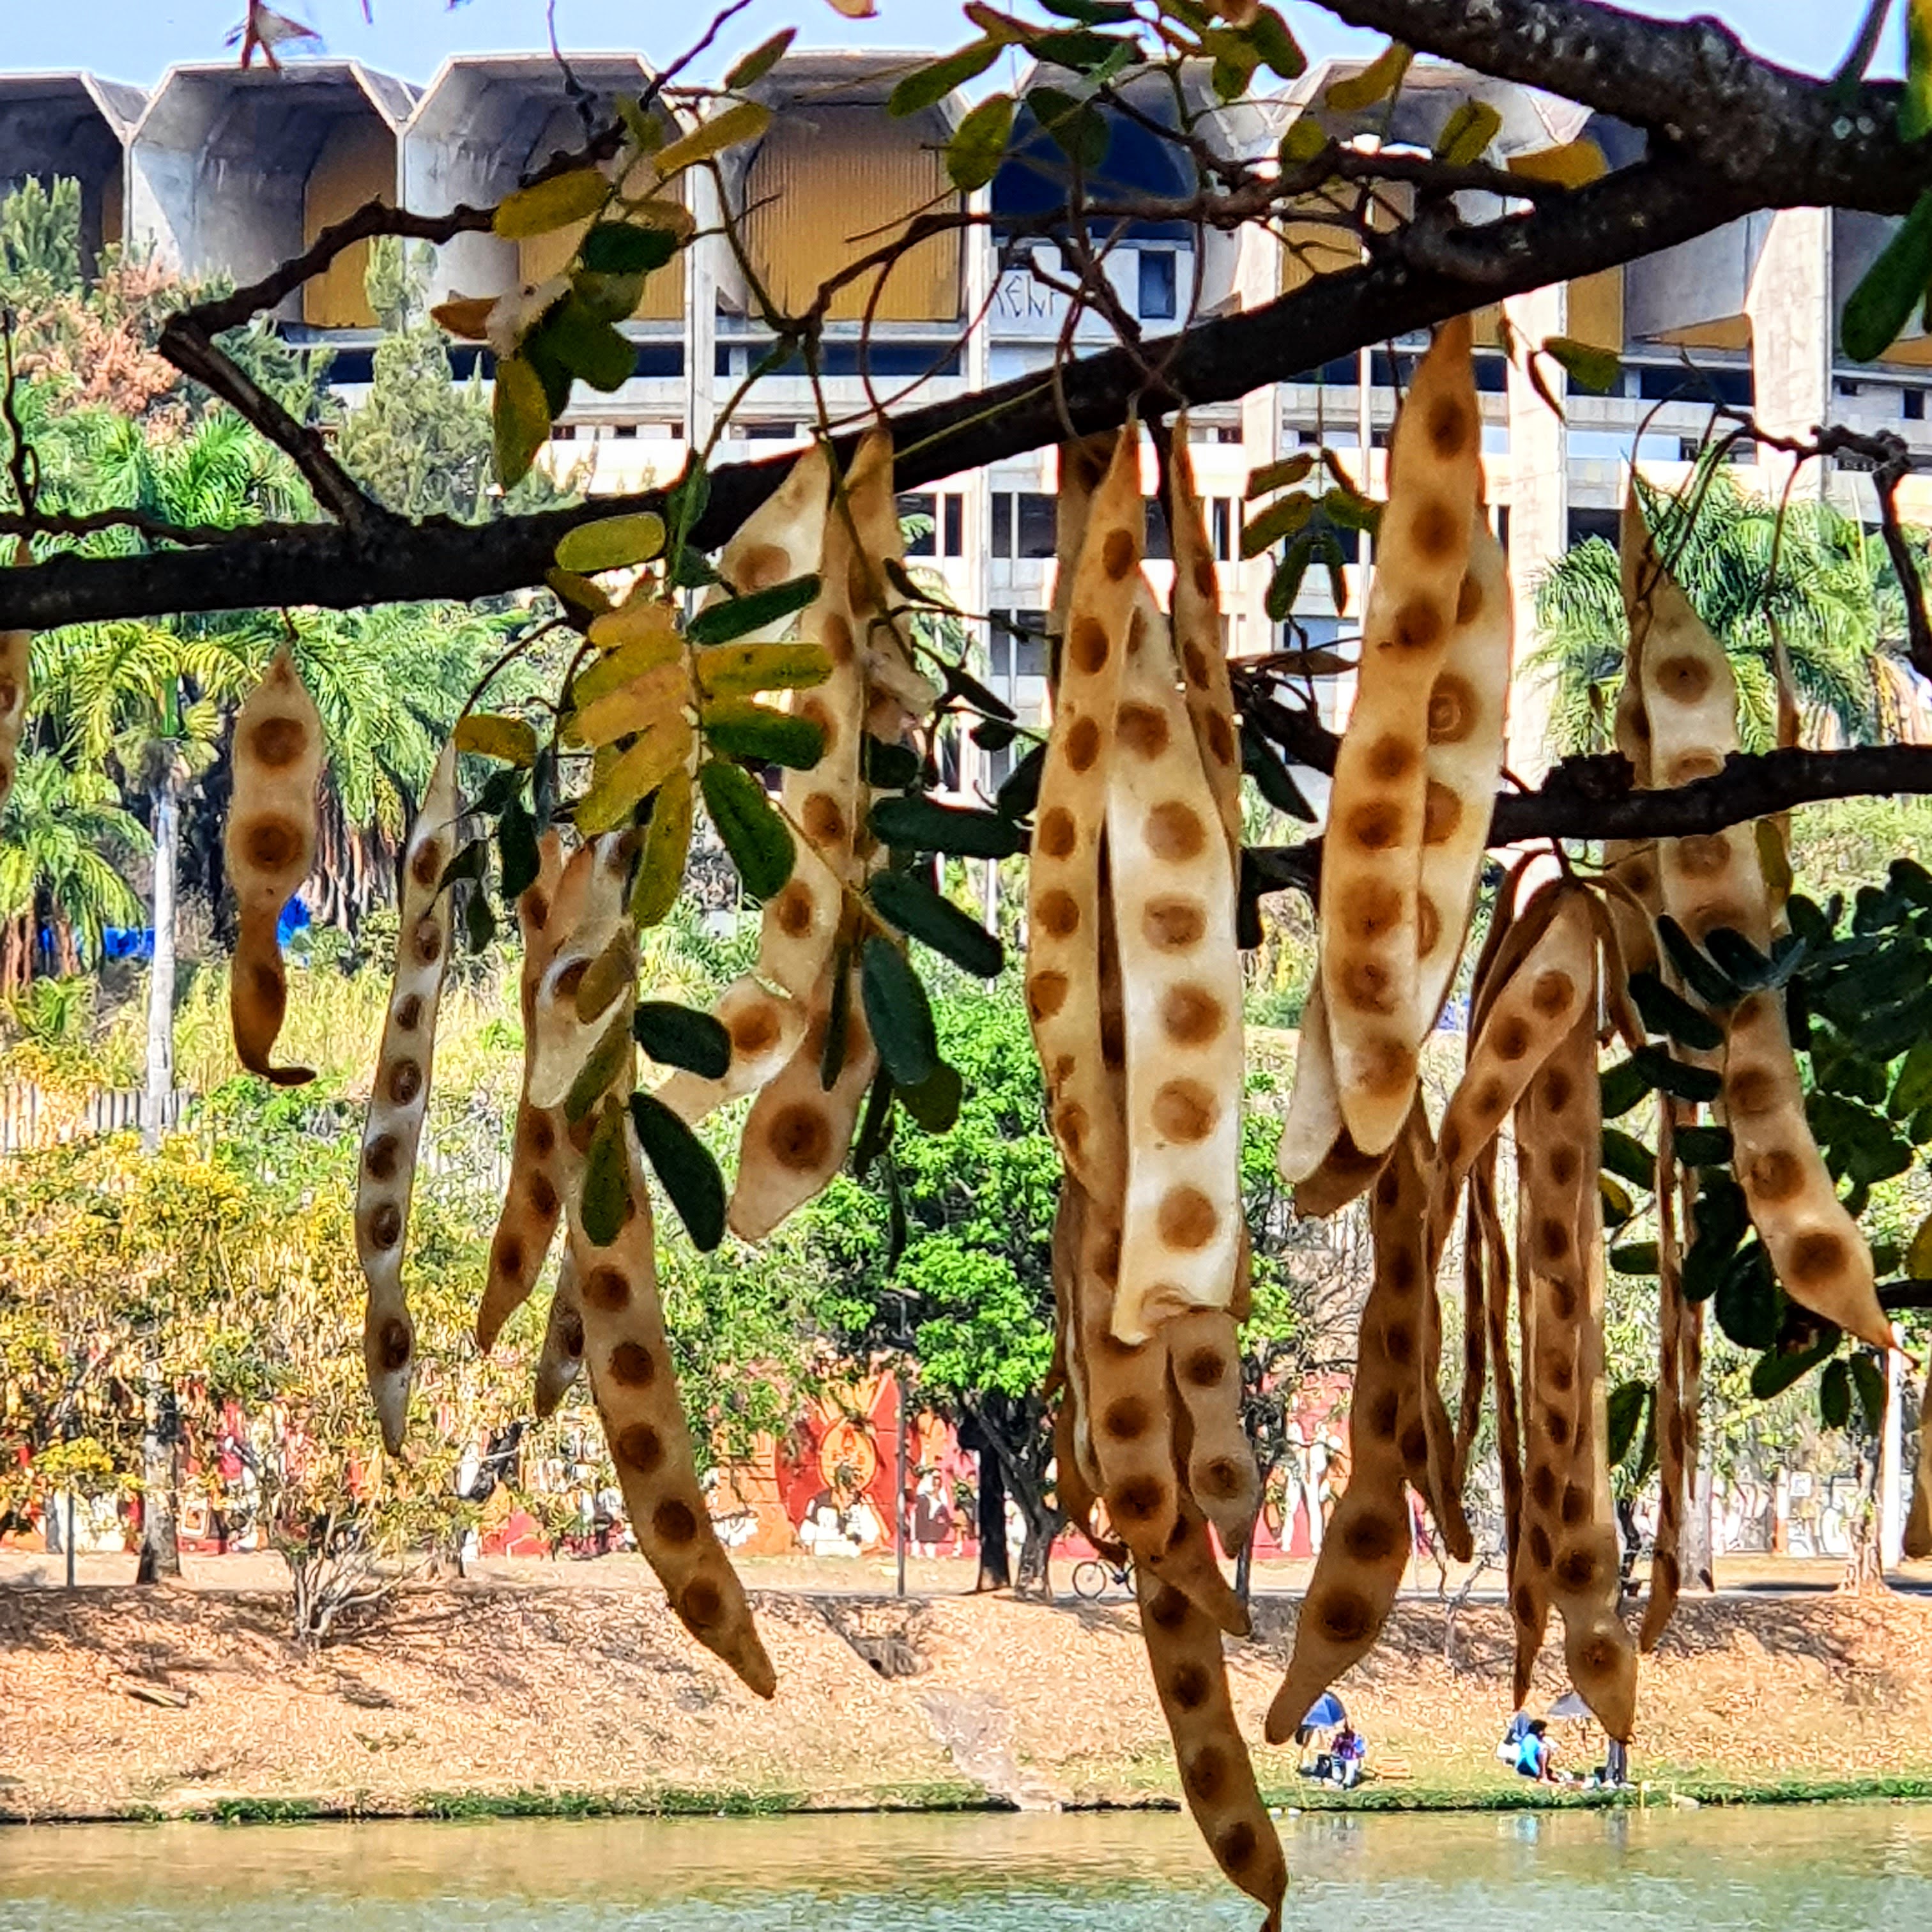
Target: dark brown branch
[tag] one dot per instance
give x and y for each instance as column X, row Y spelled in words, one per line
column 156, row 530
column 1591, row 798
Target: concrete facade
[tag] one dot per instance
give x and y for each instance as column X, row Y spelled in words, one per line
column 222, row 171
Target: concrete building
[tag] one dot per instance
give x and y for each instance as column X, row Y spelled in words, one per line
column 223, row 172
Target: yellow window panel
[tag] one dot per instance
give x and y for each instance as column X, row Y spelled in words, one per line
column 1596, row 310
column 357, row 163
column 541, row 256
column 1730, row 331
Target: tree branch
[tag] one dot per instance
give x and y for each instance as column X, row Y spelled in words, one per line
column 1591, row 798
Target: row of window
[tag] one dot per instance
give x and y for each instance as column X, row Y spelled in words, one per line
column 1023, row 522
column 933, row 525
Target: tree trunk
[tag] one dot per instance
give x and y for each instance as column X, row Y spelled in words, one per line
column 995, row 1570
column 160, row 1552
column 161, row 1082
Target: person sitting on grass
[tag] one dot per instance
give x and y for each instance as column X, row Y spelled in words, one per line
column 1351, row 1749
column 1534, row 1759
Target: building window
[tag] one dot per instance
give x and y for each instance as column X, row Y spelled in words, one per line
column 1034, row 525
column 1222, row 518
column 953, row 523
column 1016, row 644
column 999, row 645
column 1585, row 524
column 1913, row 404
column 624, row 429
column 1228, row 433
column 1502, row 526
column 770, row 432
column 1002, row 544
column 916, row 514
column 1157, row 285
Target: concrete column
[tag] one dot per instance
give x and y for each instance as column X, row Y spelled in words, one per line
column 1789, row 304
column 700, row 314
column 1539, row 508
column 1891, row 1466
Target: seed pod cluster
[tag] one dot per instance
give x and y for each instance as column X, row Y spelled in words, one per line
column 386, row 1176
column 270, row 846
column 1134, row 991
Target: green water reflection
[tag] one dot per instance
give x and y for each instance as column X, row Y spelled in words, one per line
column 1844, row 1868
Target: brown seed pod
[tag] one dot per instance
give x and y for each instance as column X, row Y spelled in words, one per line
column 533, row 1199
column 797, row 1134
column 1190, row 1675
column 1672, row 1428
column 560, row 1360
column 1919, row 1522
column 1204, row 1356
column 1077, row 1476
column 592, row 948
column 1083, row 465
column 1198, row 640
column 1379, row 820
column 783, row 538
column 1469, row 706
column 270, row 847
column 632, row 1378
column 765, row 1029
column 386, row 1176
column 16, row 649
column 1366, row 1548
column 1173, row 893
column 1064, row 867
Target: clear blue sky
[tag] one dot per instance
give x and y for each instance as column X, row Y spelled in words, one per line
column 133, row 40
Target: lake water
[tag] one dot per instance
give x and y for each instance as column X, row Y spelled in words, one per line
column 1814, row 1869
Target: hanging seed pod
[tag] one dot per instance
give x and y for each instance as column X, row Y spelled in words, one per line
column 1369, row 915
column 1315, row 1154
column 16, row 648
column 1064, row 873
column 783, row 538
column 765, row 1029
column 270, row 847
column 400, row 1098
column 1083, row 467
column 1204, row 1358
column 1077, row 1476
column 1190, row 1675
column 1469, row 706
column 580, row 1001
column 635, row 1388
column 1198, row 640
column 1919, row 1521
column 798, row 1133
column 1173, row 889
column 1672, row 1426
column 561, row 1358
column 533, row 1199
column 1366, row 1548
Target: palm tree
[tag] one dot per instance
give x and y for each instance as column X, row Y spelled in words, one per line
column 1824, row 582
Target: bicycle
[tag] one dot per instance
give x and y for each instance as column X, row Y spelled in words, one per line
column 1094, row 1577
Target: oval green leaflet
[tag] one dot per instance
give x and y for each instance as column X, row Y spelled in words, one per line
column 667, row 841
column 898, row 1013
column 740, row 729
column 759, row 841
column 547, row 205
column 684, row 1166
column 676, row 1036
column 612, row 543
column 606, row 1189
column 519, row 419
column 979, row 143
column 920, row 912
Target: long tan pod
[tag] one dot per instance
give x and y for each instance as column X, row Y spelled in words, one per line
column 1667, row 1572
column 1204, row 1358
column 1079, row 1470
column 16, row 651
column 783, row 538
column 1083, row 467
column 560, row 1360
column 1315, row 1102
column 588, row 918
column 1063, row 872
column 1366, row 1547
column 1217, row 1779
column 1919, row 1520
column 404, row 1067
column 1817, row 1249
column 1573, row 1514
column 1369, row 913
column 533, row 1200
column 797, row 1135
column 1173, row 887
column 765, row 1028
column 270, row 847
column 1198, row 641
column 1634, row 862
column 1469, row 706
column 627, row 1355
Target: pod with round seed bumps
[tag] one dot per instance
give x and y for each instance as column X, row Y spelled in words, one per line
column 533, row 1199
column 592, row 948
column 1173, row 891
column 1365, row 1549
column 16, row 649
column 783, row 538
column 1083, row 465
column 400, row 1097
column 1469, row 705
column 1204, row 1358
column 798, row 1132
column 1369, row 917
column 270, row 847
column 1063, row 872
column 1198, row 641
column 560, row 1359
column 627, row 1355
column 1673, row 1423
column 1217, row 1779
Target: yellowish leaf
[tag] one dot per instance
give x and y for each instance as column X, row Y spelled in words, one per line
column 465, row 316
column 737, row 670
column 1376, row 82
column 1467, row 133
column 743, row 120
column 660, row 211
column 1305, row 138
column 1774, row 861
column 644, row 702
column 492, row 736
column 640, row 616
column 661, row 868
column 1919, row 1256
column 625, row 665
column 547, row 205
column 1575, row 164
column 615, row 791
column 579, row 591
column 855, row 10
column 611, row 543
column 519, row 419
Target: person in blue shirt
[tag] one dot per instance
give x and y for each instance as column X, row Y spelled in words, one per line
column 1533, row 1759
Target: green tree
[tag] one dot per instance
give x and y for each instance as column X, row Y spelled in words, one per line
column 1821, row 581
